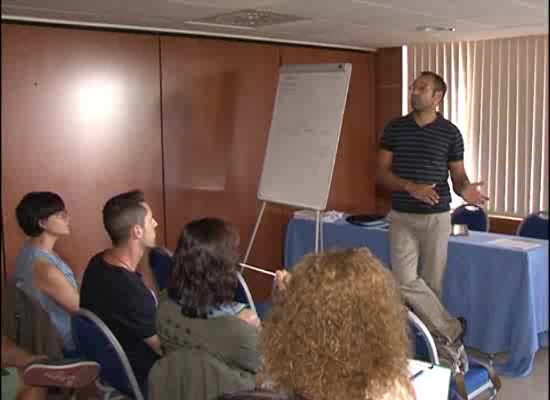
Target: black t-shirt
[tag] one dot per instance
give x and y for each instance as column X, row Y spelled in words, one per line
column 422, row 155
column 121, row 300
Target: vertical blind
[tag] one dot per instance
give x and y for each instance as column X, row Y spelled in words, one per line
column 498, row 97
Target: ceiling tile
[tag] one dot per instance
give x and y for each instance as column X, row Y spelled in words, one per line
column 452, row 9
column 233, row 4
column 363, row 23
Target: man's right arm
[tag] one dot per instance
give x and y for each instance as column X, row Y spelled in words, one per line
column 387, row 178
column 385, row 174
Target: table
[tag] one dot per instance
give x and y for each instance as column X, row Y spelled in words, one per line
column 502, row 292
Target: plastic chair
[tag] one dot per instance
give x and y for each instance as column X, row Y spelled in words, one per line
column 161, row 261
column 535, row 225
column 96, row 341
column 471, row 215
column 480, row 378
column 242, row 295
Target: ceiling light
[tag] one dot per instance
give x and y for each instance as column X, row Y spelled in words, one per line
column 433, row 28
column 248, row 19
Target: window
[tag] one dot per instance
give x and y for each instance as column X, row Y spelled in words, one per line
column 498, row 97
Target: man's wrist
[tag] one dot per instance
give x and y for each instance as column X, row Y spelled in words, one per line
column 408, row 186
column 462, row 188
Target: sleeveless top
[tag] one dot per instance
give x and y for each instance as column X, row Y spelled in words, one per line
column 24, row 279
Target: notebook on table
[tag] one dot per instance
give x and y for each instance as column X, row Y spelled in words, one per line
column 430, row 382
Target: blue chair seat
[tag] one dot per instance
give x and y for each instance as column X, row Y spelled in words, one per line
column 477, row 379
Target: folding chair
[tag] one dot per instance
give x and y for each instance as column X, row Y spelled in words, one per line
column 479, row 379
column 471, row 215
column 162, row 262
column 96, row 341
column 242, row 295
column 535, row 225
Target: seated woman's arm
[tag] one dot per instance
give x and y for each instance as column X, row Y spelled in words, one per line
column 243, row 348
column 154, row 343
column 280, row 282
column 250, row 317
column 50, row 280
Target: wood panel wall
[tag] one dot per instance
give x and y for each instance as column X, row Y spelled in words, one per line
column 80, row 117
column 217, row 106
column 389, row 87
column 89, row 113
column 217, row 103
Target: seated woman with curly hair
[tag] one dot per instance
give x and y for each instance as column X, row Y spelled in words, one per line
column 197, row 310
column 339, row 331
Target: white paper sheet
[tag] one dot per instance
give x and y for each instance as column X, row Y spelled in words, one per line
column 433, row 383
column 514, row 243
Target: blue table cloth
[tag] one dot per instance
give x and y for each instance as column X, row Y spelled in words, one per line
column 502, row 292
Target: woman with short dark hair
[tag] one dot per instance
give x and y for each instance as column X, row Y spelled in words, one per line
column 39, row 270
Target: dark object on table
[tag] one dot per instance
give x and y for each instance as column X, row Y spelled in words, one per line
column 366, row 219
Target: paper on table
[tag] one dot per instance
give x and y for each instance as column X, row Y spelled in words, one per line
column 433, row 383
column 326, row 216
column 514, row 243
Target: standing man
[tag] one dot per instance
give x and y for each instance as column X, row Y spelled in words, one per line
column 113, row 290
column 417, row 153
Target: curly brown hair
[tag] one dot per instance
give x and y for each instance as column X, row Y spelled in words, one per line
column 205, row 262
column 339, row 331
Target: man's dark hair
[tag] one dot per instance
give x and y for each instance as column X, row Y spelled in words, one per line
column 37, row 206
column 205, row 262
column 121, row 213
column 439, row 83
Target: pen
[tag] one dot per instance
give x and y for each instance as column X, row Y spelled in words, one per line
column 412, row 378
column 416, row 375
column 263, row 271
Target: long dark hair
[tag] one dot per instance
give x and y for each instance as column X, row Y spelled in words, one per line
column 205, row 262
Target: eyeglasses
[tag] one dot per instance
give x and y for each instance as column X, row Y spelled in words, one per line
column 62, row 214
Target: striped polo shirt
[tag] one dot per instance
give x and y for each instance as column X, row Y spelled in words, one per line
column 421, row 155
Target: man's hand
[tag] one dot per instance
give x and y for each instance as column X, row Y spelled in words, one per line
column 473, row 195
column 422, row 192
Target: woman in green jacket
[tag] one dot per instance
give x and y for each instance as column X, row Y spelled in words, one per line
column 197, row 314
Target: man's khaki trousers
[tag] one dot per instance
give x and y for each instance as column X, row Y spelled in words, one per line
column 418, row 253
